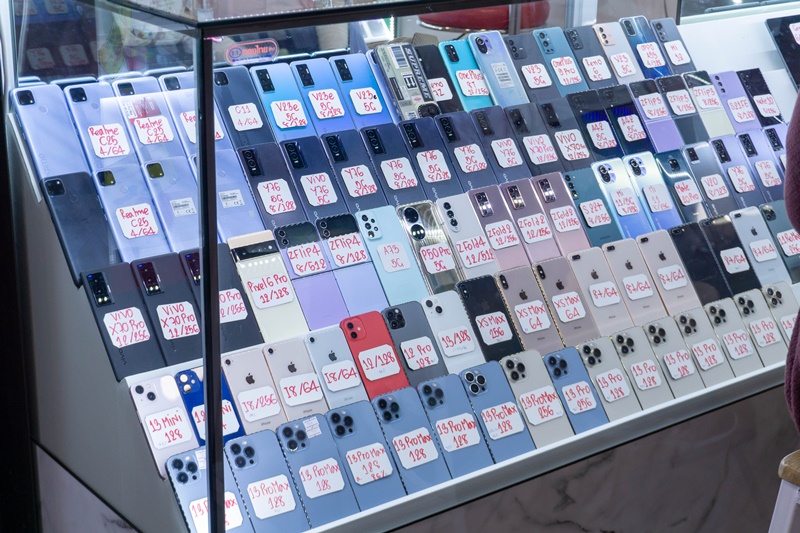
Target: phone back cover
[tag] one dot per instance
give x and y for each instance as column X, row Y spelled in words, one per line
column 489, row 317
column 414, row 342
column 442, row 88
column 317, row 190
column 729, row 250
column 575, row 389
column 534, row 140
column 361, row 93
column 353, row 170
column 501, row 149
column 698, row 258
column 463, row 145
column 282, row 101
column 430, row 158
column 241, row 108
column 399, row 179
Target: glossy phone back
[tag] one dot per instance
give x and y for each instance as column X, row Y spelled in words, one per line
column 701, row 267
column 625, row 119
column 766, row 331
column 618, row 188
column 668, row 272
column 709, row 104
column 728, row 249
column 574, row 387
column 553, row 195
column 499, row 145
column 759, row 246
column 600, row 290
column 471, row 247
column 654, row 114
column 781, row 228
column 531, row 67
column 559, row 60
column 671, row 42
column 174, row 192
column 531, row 222
column 618, row 51
column 735, row 101
column 600, row 220
column 494, row 216
column 702, row 341
column 674, row 357
column 360, row 90
column 682, row 187
column 317, row 190
column 641, row 364
column 399, row 179
column 635, row 282
column 735, row 165
column 463, row 145
column 353, row 170
column 768, row 167
column 652, row 191
column 494, row 61
column 335, row 367
column 413, row 341
column 237, row 213
column 452, row 331
column 240, row 107
column 782, row 303
column 252, row 387
column 489, row 317
column 192, row 390
column 609, row 378
column 533, row 139
column 273, row 188
column 284, row 105
column 468, row 79
column 589, row 55
column 442, row 87
column 430, row 158
column 317, row 83
column 643, row 40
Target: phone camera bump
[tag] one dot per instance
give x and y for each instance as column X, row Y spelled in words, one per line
column 340, row 431
column 139, row 389
column 418, row 232
column 509, row 364
column 240, row 461
column 431, row 401
column 77, row 94
column 220, row 78
column 482, row 48
column 151, row 396
column 336, row 417
column 474, row 388
column 288, row 432
column 25, row 98
column 183, row 477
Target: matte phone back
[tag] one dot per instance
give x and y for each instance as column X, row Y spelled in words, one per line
column 531, row 222
column 240, row 107
column 572, row 316
column 253, row 389
column 730, row 255
column 759, row 246
column 767, row 332
column 314, row 461
column 123, row 321
column 467, row 77
column 283, row 102
column 192, row 390
column 656, row 117
column 353, row 170
column 668, row 272
column 715, row 187
column 702, row 341
column 674, row 357
column 611, row 383
column 589, row 55
column 430, row 158
column 81, row 226
column 625, row 119
column 784, row 235
column 174, row 192
column 413, row 340
column 393, row 168
column 556, row 201
column 682, row 186
column 737, row 105
column 442, row 87
column 489, row 317
column 237, row 213
column 600, row 291
column 647, row 52
column 574, row 387
column 531, row 67
column 452, row 331
column 297, row 381
column 472, row 249
column 317, row 190
column 363, row 453
column 360, row 90
column 323, row 100
column 642, row 366
column 652, row 191
column 499, row 145
column 734, row 163
column 709, row 104
column 768, row 170
column 780, row 30
column 559, row 60
column 464, row 149
column 701, row 267
column 671, row 42
column 533, row 140
column 267, row 487
column 613, row 178
column 589, row 110
column 618, row 52
column 149, row 122
column 600, row 221
column 494, row 61
column 501, row 232
column 566, row 132
column 761, row 98
column 335, row 367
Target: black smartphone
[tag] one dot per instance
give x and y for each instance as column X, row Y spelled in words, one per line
column 785, row 235
column 590, row 56
column 625, row 119
column 489, row 317
column 430, row 158
column 240, row 107
column 538, row 147
column 729, row 252
column 500, row 144
column 313, row 177
column 589, row 110
column 681, row 106
column 710, row 178
column 783, row 33
column 464, row 149
column 531, row 67
column 701, row 266
column 400, row 180
column 563, row 127
column 758, row 92
column 444, row 92
column 353, row 170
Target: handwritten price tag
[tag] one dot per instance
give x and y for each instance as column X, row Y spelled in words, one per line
column 415, row 448
column 650, row 55
column 440, row 89
column 419, row 353
column 625, row 201
column 766, row 105
column 569, row 306
column 177, row 320
column 787, row 323
column 231, row 306
column 137, row 221
column 637, row 287
column 366, row 101
column 738, row 344
column 535, row 228
column 126, row 327
column 319, row 189
column 795, row 29
column 579, row 397
column 369, row 463
column 230, row 424
column 680, row 102
column 434, row 166
column 474, row 251
column 763, row 250
column 73, row 55
column 326, row 103
column 502, row 421
column 767, row 173
column 533, row 316
column 458, row 432
column 790, row 242
column 300, row 389
column 541, row 405
column 189, row 123
column 347, row 250
column 199, row 510
column 470, row 158
column 359, row 181
column 566, row 70
column 632, row 128
column 657, row 197
column 572, row 145
column 677, row 52
column 536, row 76
column 741, row 109
column 168, row 428
column 109, row 140
column 601, row 134
column 153, row 130
column 653, row 106
column 40, row 58
column 307, row 259
column 270, row 291
column 245, row 117
column 734, row 260
column 765, row 332
column 565, row 219
column 271, row 497
column 289, row 114
column 715, row 187
column 706, row 97
column 456, row 341
column 494, row 328
column 613, row 385
column 506, row 153
column 472, row 82
column 688, row 193
column 379, row 362
column 393, row 257
column 540, row 149
column 255, row 404
column 679, row 364
column 604, row 294
column 741, row 179
column 645, row 374
column 596, row 68
column 340, row 376
column 276, row 197
column 595, row 213
column 502, row 234
column 437, row 258
column 672, row 277
column 708, row 354
column 623, row 65
column 321, row 478
column 398, row 173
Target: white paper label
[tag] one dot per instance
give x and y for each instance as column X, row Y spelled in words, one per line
column 189, row 123
column 766, row 105
column 437, row 258
column 632, row 128
column 645, row 375
column 183, row 207
column 650, row 55
column 637, row 287
column 541, row 405
column 536, row 76
column 199, row 510
column 440, row 89
column 734, row 260
column 348, row 250
column 679, row 364
column 688, row 192
column 787, row 323
column 533, row 316
column 398, row 173
column 231, row 306
column 565, row 219
column 623, row 65
column 569, row 306
column 137, row 221
column 715, row 187
column 579, row 397
column 73, row 55
column 596, row 68
column 415, row 448
column 177, row 320
column 245, row 117
column 672, row 277
column 271, row 497
column 341, row 375
column 534, row 228
column 767, row 173
column 393, row 257
column 359, row 181
column 677, row 52
column 741, row 179
column 255, row 404
column 369, row 463
column 707, row 97
column 595, row 213
column 419, row 353
column 708, row 354
column 540, row 149
column 502, row 420
column 40, row 58
column 126, row 327
column 604, row 294
column 613, row 385
column 503, row 77
column 795, row 29
column 505, row 150
column 601, row 134
column 790, row 242
column 625, row 201
column 657, row 197
column 326, row 103
column 456, row 341
column 763, row 250
column 300, row 389
column 470, row 158
column 276, row 195
column 681, row 102
column 307, row 259
column 502, row 234
column 319, row 189
column 153, row 130
column 653, row 106
column 321, row 478
column 457, row 432
column 738, row 344
column 472, row 82
column 571, row 144
column 312, row 427
column 288, row 114
column 230, row 424
column 270, row 291
column 366, row 101
column 168, row 428
column 109, row 140
column 474, row 251
column 566, row 70
column 741, row 109
column 765, row 332
column 379, row 362
column 433, row 165
column 494, row 328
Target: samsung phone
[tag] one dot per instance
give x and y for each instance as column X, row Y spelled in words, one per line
column 494, row 61
column 430, row 158
column 600, row 290
column 625, row 119
column 683, row 110
column 600, row 221
column 701, row 266
column 473, row 252
column 589, row 55
column 591, row 113
column 668, row 272
column 708, row 103
column 531, row 222
column 656, row 117
column 441, row 85
column 574, row 387
column 283, row 102
column 609, row 377
column 469, row 80
column 360, row 90
column 489, row 317
column 559, row 60
column 503, row 237
column 452, row 331
column 735, row 100
column 399, row 179
column 317, row 83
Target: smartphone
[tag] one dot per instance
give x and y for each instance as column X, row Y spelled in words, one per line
column 353, row 170
column 674, row 357
column 317, row 83
column 770, row 171
column 335, row 367
column 267, row 284
column 652, row 191
column 374, row 353
column 318, row 192
column 272, row 185
column 80, row 223
column 574, row 387
column 494, row 61
column 163, row 417
column 613, row 179
column 657, row 120
column 702, row 341
column 776, row 137
column 453, row 331
column 678, row 177
column 372, row 60
column 190, row 383
column 637, row 287
column 488, row 316
column 589, row 110
column 599, row 221
column 589, row 54
column 759, row 247
column 536, row 396
column 464, row 148
column 736, row 341
column 561, row 288
column 618, row 51
column 600, row 290
column 267, row 487
column 283, row 102
column 174, row 193
column 783, row 31
column 669, row 39
column 708, row 103
column 463, row 69
column 783, row 306
column 642, row 367
column 625, row 119
column 563, row 127
column 648, row 53
column 385, row 239
column 533, row 139
column 400, row 181
column 429, row 158
column 611, row 382
column 362, row 95
column 497, row 140
column 684, row 113
column 526, row 211
column 405, row 425
column 431, row 247
column 413, row 339
column 314, row 461
column 441, row 85
column 767, row 110
column 668, row 272
column 734, row 163
column 701, row 267
column 406, row 81
column 493, row 214
column 764, row 329
column 253, row 389
column 530, row 66
column 554, row 197
column 474, row 254
column 735, row 100
column 528, row 309
column 298, row 385
column 559, row 60
column 43, row 116
column 710, row 177
column 783, row 234
column 724, row 242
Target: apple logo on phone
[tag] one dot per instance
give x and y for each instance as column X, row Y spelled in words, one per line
column 560, row 285
column 250, row 379
column 753, row 231
column 292, row 368
column 628, row 265
column 594, row 274
column 523, row 294
column 662, row 256
column 332, row 356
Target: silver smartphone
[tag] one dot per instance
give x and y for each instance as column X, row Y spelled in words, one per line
column 642, row 366
column 600, row 290
column 702, row 341
column 782, row 302
column 763, row 328
column 612, row 383
column 634, row 280
column 674, row 357
column 736, row 341
column 759, row 246
column 668, row 272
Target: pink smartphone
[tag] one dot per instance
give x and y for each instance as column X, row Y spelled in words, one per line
column 500, row 230
column 533, row 225
column 560, row 209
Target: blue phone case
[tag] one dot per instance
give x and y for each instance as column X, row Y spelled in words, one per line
column 464, row 149
column 492, row 56
column 638, row 32
column 455, row 428
column 618, row 188
column 499, row 144
column 192, row 392
column 353, row 170
column 267, row 488
column 735, row 165
column 175, row 195
column 599, row 219
column 187, row 472
column 314, row 461
column 400, row 181
column 240, row 107
column 46, row 124
column 430, row 158
column 496, row 411
column 360, row 90
column 318, row 85
column 471, row 77
column 416, row 452
column 317, row 189
column 559, row 60
column 652, row 191
column 364, row 455
column 575, row 389
column 283, row 102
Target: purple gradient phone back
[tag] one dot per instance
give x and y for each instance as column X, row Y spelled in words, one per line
column 321, row 300
column 735, row 101
column 361, row 288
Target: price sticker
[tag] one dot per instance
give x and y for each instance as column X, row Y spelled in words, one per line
column 540, row 149
column 569, row 306
column 40, row 58
column 536, row 76
column 707, row 97
column 534, row 228
column 645, row 374
column 419, row 353
column 502, row 234
column 183, row 207
column 657, row 197
column 359, row 181
column 650, row 55
column 632, row 128
column 741, row 179
column 566, row 70
column 288, row 114
column 470, row 158
column 474, row 251
column 506, row 153
column 679, row 363
column 787, row 323
column 270, row 291
column 653, row 106
column 347, row 250
column 137, row 221
column 738, row 344
column 73, row 55
column 541, row 405
column 596, row 68
column 715, row 187
column 398, row 173
column 533, row 316
column 437, row 258
column 189, row 123
column 741, row 109
column 326, row 103
column 126, row 327
column 434, row 166
column 276, row 195
column 708, row 354
column 601, row 134
column 168, row 428
column 767, row 173
column 199, row 510
column 623, row 65
column 306, row 259
column 765, row 332
column 595, row 213
column 319, row 189
column 625, row 201
column 613, row 385
column 321, row 478
column 440, row 89
column 795, row 29
column 366, row 101
column 604, row 294
column 763, row 250
column 494, row 328
column 766, row 105
column 177, row 320
column 56, row 7
column 456, row 341
column 245, row 117
column 680, row 102
column 300, row 389
column 688, row 193
column 259, row 403
column 109, row 140
column 341, row 375
column 579, row 397
column 415, row 448
column 230, row 424
column 672, row 277
column 734, row 260
column 369, row 463
column 393, row 257
column 502, row 421
column 472, row 83
column 231, row 306
column 790, row 242
column 571, row 144
column 379, row 362
column 458, row 432
column 637, row 287
column 565, row 219
column 677, row 53
column 271, row 497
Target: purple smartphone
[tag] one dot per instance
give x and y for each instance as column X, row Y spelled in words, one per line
column 560, row 209
column 500, row 230
column 657, row 119
column 735, row 101
column 533, row 225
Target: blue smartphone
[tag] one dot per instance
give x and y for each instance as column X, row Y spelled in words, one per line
column 183, row 108
column 559, row 60
column 353, row 170
column 313, row 458
column 430, row 158
column 283, row 102
column 456, row 429
column 363, row 450
column 46, row 124
column 501, row 77
column 174, row 192
column 392, row 162
column 574, row 387
column 267, row 488
column 317, row 191
column 618, row 188
column 190, row 383
column 590, row 112
column 648, row 53
column 417, row 454
column 360, row 90
column 734, row 163
column 464, row 148
column 321, row 94
column 652, row 191
column 599, row 219
column 496, row 409
column 240, row 107
column 625, row 119
column 499, row 144
column 467, row 77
